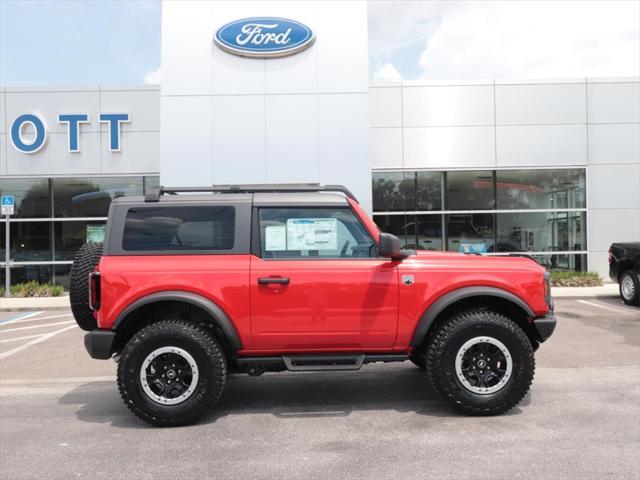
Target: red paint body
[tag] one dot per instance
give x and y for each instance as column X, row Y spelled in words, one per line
column 355, row 305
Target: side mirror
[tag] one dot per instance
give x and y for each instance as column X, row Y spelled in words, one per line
column 389, row 247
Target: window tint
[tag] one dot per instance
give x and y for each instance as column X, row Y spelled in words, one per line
column 394, row 191
column 91, row 197
column 313, row 232
column 470, row 190
column 519, row 189
column 179, row 228
column 31, row 197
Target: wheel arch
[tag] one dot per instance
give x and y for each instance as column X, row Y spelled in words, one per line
column 497, row 299
column 198, row 308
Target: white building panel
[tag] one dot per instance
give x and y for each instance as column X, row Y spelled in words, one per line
column 426, row 106
column 385, row 106
column 47, row 105
column 292, row 138
column 612, row 225
column 614, row 143
column 541, row 104
column 55, row 159
column 139, row 152
column 239, row 120
column 541, row 145
column 386, row 148
column 343, row 48
column 3, row 128
column 446, row 147
column 143, row 107
column 344, row 115
column 185, row 154
column 3, row 154
column 613, row 186
column 613, row 102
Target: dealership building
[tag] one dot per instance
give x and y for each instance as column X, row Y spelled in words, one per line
column 550, row 168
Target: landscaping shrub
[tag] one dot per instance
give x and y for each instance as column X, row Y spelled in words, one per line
column 569, row 278
column 34, row 289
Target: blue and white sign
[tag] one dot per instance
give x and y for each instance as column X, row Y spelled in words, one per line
column 261, row 37
column 7, row 204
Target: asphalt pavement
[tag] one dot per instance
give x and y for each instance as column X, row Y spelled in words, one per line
column 61, row 416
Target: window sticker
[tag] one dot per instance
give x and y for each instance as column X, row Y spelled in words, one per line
column 275, row 237
column 312, row 234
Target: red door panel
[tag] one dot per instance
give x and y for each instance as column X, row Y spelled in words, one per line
column 342, row 304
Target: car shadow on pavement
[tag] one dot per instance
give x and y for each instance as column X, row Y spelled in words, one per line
column 290, row 395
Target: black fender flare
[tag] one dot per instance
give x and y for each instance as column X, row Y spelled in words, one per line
column 220, row 318
column 428, row 317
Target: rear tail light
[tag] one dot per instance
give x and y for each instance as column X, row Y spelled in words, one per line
column 94, row 291
column 547, row 290
column 610, row 256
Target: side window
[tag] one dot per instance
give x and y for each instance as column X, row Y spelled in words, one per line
column 313, row 233
column 179, row 228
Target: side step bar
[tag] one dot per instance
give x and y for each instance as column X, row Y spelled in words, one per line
column 308, row 363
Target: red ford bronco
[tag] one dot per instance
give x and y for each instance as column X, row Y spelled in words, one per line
column 188, row 288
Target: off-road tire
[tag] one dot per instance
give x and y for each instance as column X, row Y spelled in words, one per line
column 418, row 358
column 200, row 344
column 631, row 276
column 84, row 263
column 444, row 345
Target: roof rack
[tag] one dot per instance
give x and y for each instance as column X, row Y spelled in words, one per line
column 153, row 194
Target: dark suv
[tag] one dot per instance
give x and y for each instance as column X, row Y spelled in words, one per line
column 248, row 279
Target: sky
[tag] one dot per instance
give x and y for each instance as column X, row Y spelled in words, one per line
column 116, row 42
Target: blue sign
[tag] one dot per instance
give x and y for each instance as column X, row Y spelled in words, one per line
column 264, row 37
column 8, row 201
column 474, row 248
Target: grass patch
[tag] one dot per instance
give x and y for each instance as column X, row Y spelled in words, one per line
column 569, row 278
column 34, row 289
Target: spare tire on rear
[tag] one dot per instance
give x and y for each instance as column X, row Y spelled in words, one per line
column 84, row 263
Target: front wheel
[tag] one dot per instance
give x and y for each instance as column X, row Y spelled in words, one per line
column 171, row 372
column 481, row 362
column 630, row 288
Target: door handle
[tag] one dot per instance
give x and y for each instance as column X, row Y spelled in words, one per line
column 273, row 280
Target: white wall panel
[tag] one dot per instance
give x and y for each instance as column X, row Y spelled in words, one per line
column 54, row 159
column 540, row 104
column 444, row 147
column 613, row 186
column 448, row 106
column 139, row 153
column 292, row 138
column 239, row 120
column 541, row 145
column 340, row 116
column 343, row 55
column 614, row 143
column 187, row 40
column 143, row 108
column 47, row 105
column 3, row 128
column 613, row 102
column 186, row 152
column 3, row 154
column 386, row 148
column 613, row 225
column 385, row 106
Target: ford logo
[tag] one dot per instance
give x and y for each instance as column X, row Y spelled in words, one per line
column 264, row 37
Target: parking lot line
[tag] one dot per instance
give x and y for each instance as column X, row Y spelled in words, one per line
column 22, row 338
column 23, row 320
column 20, row 316
column 36, row 326
column 33, row 342
column 604, row 307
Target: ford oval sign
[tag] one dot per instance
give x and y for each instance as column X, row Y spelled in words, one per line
column 264, row 37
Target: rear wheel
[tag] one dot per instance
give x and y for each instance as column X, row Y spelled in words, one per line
column 481, row 362
column 84, row 263
column 171, row 372
column 630, row 288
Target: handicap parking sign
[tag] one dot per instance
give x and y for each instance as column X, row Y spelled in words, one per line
column 7, row 203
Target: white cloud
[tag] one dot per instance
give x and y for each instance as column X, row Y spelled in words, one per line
column 507, row 39
column 153, row 77
column 387, row 72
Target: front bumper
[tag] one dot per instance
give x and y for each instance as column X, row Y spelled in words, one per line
column 545, row 325
column 99, row 343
